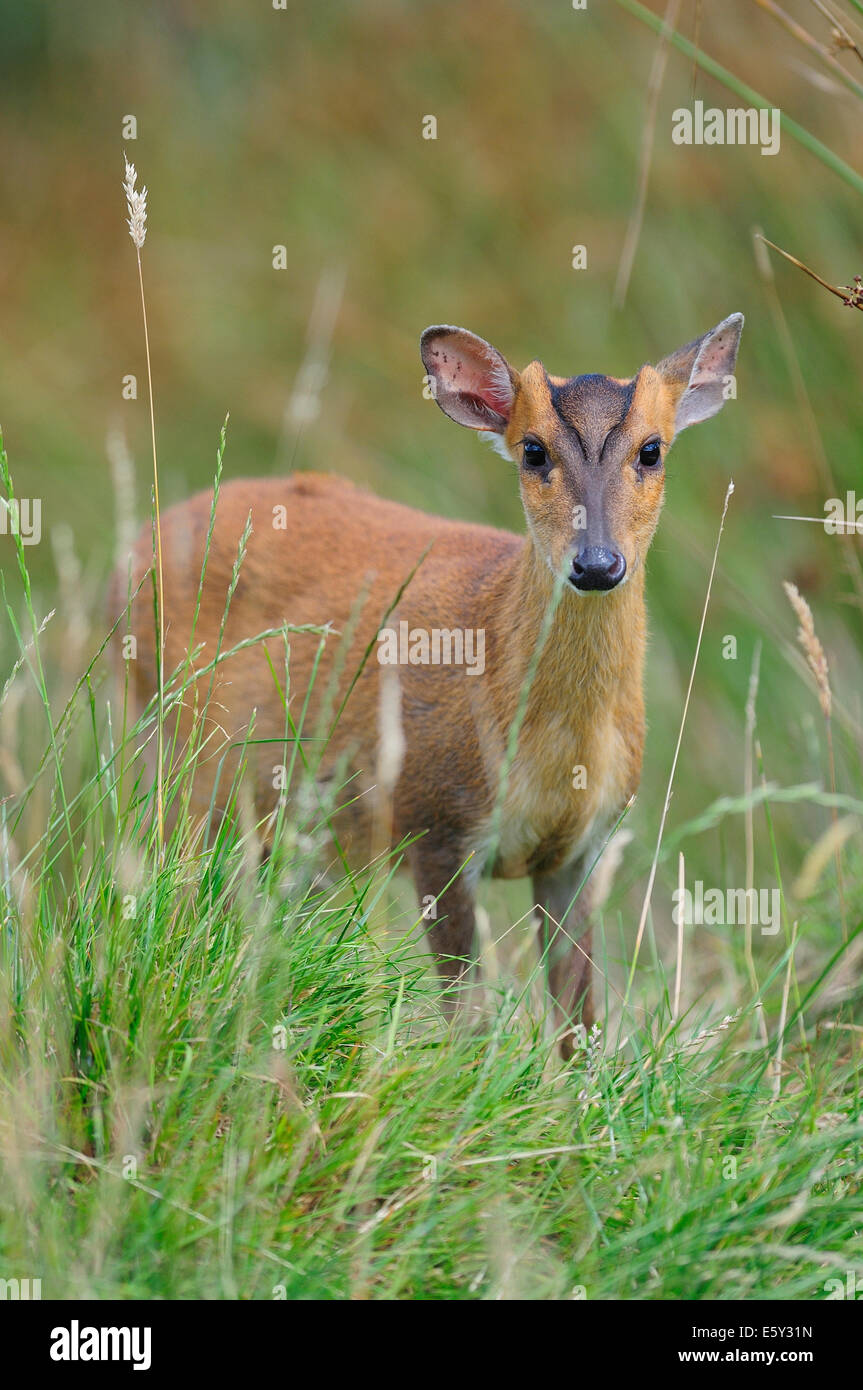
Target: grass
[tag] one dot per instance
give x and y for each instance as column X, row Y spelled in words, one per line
column 213, row 1103
column 228, row 1080
column 224, row 1079
column 753, row 98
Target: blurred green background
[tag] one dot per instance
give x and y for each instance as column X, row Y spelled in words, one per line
column 259, row 127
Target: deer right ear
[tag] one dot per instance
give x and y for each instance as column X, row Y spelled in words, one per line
column 472, row 383
column 700, row 373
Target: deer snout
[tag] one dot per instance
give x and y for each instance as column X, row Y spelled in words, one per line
column 596, row 567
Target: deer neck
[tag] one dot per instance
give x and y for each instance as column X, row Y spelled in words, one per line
column 593, row 652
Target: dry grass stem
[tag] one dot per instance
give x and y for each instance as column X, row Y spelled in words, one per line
column 651, row 880
column 810, row 42
column 817, row 663
column 851, row 295
column 136, row 202
column 842, row 40
column 812, row 648
column 654, row 87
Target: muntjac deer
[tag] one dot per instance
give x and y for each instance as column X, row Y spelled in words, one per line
column 589, row 453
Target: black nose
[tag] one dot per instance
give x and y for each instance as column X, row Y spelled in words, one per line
column 597, row 567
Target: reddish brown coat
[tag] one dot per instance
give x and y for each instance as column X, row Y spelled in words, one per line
column 342, row 556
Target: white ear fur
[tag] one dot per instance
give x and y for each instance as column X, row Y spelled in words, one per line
column 712, row 370
column 498, row 443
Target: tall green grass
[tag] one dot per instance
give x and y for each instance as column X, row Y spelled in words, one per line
column 227, row 1079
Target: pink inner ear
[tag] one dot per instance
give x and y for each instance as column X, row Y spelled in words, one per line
column 478, row 378
column 712, row 361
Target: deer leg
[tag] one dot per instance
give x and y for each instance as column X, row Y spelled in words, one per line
column 565, row 949
column 446, row 898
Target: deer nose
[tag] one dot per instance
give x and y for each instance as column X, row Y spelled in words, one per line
column 597, row 567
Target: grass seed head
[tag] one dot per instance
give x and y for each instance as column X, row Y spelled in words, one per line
column 812, row 648
column 137, row 205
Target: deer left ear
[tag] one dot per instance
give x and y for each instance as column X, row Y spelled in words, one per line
column 701, row 372
column 473, row 383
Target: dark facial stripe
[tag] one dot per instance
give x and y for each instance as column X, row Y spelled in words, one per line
column 592, row 406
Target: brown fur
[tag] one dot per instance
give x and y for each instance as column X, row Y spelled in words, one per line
column 342, row 560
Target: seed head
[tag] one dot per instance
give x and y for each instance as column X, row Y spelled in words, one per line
column 812, row 648
column 137, row 205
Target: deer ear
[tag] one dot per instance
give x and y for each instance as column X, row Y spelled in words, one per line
column 701, row 372
column 473, row 384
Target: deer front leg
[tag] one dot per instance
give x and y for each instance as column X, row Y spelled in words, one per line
column 565, row 948
column 446, row 898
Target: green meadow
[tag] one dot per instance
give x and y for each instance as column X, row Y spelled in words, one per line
column 228, row 1078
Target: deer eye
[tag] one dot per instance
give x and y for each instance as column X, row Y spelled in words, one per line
column 534, row 454
column 650, row 454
